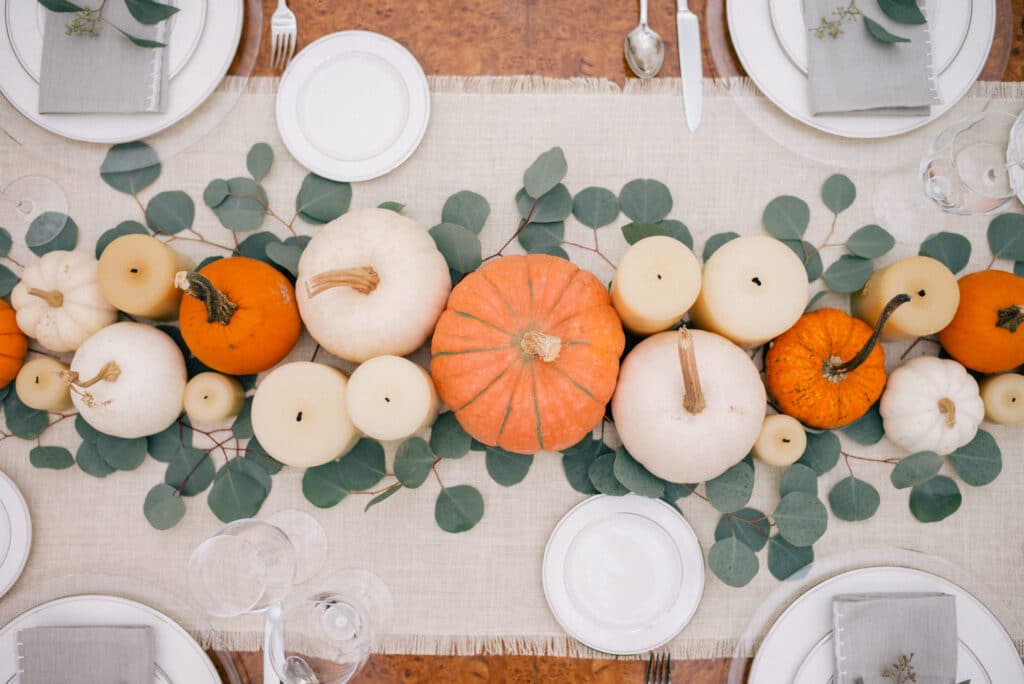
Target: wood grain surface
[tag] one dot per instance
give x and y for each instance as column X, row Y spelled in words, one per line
column 557, row 38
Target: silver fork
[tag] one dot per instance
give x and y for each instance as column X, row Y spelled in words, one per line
column 283, row 29
column 659, row 669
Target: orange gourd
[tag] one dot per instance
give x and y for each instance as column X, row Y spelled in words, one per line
column 13, row 345
column 527, row 353
column 986, row 335
column 828, row 369
column 240, row 316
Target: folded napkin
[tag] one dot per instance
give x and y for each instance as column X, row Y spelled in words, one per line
column 105, row 73
column 86, row 655
column 854, row 72
column 874, row 631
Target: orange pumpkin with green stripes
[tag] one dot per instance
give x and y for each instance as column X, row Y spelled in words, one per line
column 13, row 345
column 527, row 353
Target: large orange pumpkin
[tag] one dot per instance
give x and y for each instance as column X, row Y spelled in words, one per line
column 828, row 369
column 986, row 334
column 527, row 353
column 240, row 317
column 13, row 345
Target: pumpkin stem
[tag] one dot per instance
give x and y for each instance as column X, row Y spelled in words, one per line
column 538, row 345
column 54, row 298
column 948, row 408
column 693, row 394
column 1010, row 318
column 835, row 367
column 362, row 279
column 219, row 309
column 110, row 373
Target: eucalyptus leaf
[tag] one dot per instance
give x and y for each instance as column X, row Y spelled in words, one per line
column 635, row 477
column 505, row 467
column 362, row 467
column 809, row 255
column 595, row 207
column 321, row 200
column 216, row 192
column 785, row 560
column 322, row 486
column 714, row 242
column 90, row 462
column 413, row 462
column 602, row 475
column 398, row 208
column 1006, row 236
column 801, row 518
column 259, row 160
column 870, row 242
column 978, row 462
column 645, row 200
column 459, row 508
column 915, row 469
column 255, row 245
column 8, row 281
column 675, row 491
column 23, row 422
column 249, row 469
column 577, row 459
column 60, row 6
column 902, row 11
column 285, row 256
column 879, row 33
column 634, row 232
column 733, row 562
column 51, row 231
column 749, row 525
column 170, row 212
column 822, row 452
column 163, row 507
column 235, row 494
column 5, row 390
column 255, row 452
column 815, row 298
column 191, row 471
column 787, row 217
column 799, row 478
column 539, row 238
column 6, row 242
column 935, row 500
column 242, row 426
column 447, row 438
column 130, row 167
column 245, row 207
column 207, row 261
column 141, row 42
column 848, row 274
column 467, row 209
column 555, row 205
column 545, row 173
column 951, row 249
column 1018, row 268
column 867, row 429
column 460, row 246
column 121, row 229
column 838, row 193
column 87, row 432
column 122, row 454
column 54, row 457
column 386, row 494
column 853, row 499
column 149, row 12
column 731, row 490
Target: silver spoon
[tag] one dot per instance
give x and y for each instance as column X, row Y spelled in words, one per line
column 645, row 51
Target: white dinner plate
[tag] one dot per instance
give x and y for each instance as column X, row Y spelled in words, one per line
column 1015, row 153
column 216, row 37
column 623, row 575
column 179, row 659
column 793, row 639
column 15, row 533
column 353, row 106
column 771, row 42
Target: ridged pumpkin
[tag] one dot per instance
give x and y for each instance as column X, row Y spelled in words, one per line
column 986, row 334
column 828, row 369
column 527, row 353
column 13, row 345
column 240, row 315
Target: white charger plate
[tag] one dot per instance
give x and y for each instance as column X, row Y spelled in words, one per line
column 179, row 659
column 219, row 35
column 623, row 575
column 767, row 37
column 353, row 106
column 798, row 632
column 15, row 533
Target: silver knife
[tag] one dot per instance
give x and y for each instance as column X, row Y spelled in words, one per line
column 691, row 64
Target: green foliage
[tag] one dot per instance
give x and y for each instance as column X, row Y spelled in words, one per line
column 505, row 467
column 141, row 42
column 902, row 11
column 799, row 478
column 952, row 249
column 8, row 281
column 89, row 460
column 645, row 200
column 216, row 192
column 245, row 206
column 785, row 560
column 545, row 172
column 23, row 422
column 6, row 242
column 255, row 245
column 163, row 507
column 822, row 452
column 848, row 274
column 978, row 462
column 242, row 426
column 634, row 232
column 362, row 467
column 731, row 490
column 555, row 205
column 867, row 429
column 815, row 298
column 54, row 457
column 255, row 452
column 321, row 200
column 239, row 490
column 170, row 212
column 935, row 499
column 801, row 518
column 733, row 562
column 51, row 231
column 787, row 217
column 879, row 33
column 466, row 209
column 577, row 459
column 413, row 462
column 447, row 438
column 749, row 525
column 1006, row 236
column 870, row 242
column 838, row 193
column 716, row 241
column 121, row 229
column 383, row 496
column 635, row 477
column 460, row 246
column 121, row 454
column 60, row 6
column 810, row 257
column 190, row 471
column 396, row 207
column 853, row 499
column 915, row 469
column 541, row 238
column 285, row 255
column 259, row 160
column 149, row 12
column 130, row 167
column 602, row 475
column 595, row 207
column 459, row 508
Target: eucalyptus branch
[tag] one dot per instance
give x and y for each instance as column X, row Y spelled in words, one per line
column 525, row 222
column 14, row 261
column 172, row 237
column 590, row 249
column 916, row 342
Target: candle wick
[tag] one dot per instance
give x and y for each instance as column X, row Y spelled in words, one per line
column 37, row 380
column 785, row 440
column 756, row 281
column 659, row 276
column 298, row 417
column 920, row 293
column 205, row 397
column 134, row 270
column 387, row 399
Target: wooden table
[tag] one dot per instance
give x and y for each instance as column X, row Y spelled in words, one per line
column 557, row 38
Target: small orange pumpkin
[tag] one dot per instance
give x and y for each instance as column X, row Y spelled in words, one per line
column 527, row 353
column 240, row 317
column 986, row 335
column 13, row 345
column 828, row 369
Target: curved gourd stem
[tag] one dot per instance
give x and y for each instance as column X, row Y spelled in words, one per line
column 538, row 345
column 836, row 367
column 948, row 409
column 1011, row 317
column 362, row 279
column 54, row 298
column 693, row 394
column 219, row 309
column 109, row 373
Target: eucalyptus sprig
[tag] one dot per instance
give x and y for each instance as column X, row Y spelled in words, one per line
column 86, row 20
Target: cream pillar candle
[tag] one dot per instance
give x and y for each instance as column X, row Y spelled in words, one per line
column 40, row 386
column 136, row 275
column 934, row 298
column 300, row 414
column 1003, row 396
column 212, row 397
column 656, row 283
column 753, row 289
column 782, row 440
column 390, row 397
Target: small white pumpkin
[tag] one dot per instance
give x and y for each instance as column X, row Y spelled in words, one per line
column 689, row 405
column 931, row 404
column 372, row 283
column 59, row 301
column 128, row 380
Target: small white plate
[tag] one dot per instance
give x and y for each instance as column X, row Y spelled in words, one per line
column 15, row 533
column 353, row 106
column 623, row 575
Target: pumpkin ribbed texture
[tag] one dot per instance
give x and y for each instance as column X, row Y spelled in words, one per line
column 13, row 345
column 986, row 334
column 527, row 353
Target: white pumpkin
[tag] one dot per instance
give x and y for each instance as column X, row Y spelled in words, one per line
column 128, row 380
column 689, row 405
column 372, row 283
column 59, row 301
column 931, row 404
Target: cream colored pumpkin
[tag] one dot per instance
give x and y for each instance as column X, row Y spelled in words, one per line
column 931, row 404
column 688, row 405
column 59, row 301
column 128, row 380
column 372, row 283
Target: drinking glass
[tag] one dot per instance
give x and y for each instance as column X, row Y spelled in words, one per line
column 24, row 199
column 967, row 168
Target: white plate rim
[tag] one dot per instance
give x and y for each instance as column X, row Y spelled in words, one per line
column 307, row 155
column 21, row 533
column 697, row 569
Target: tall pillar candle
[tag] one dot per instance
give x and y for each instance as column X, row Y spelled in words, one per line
column 933, row 291
column 40, row 386
column 1003, row 396
column 212, row 397
column 136, row 274
column 390, row 397
column 656, row 283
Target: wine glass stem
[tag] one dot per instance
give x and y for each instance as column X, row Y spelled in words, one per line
column 271, row 620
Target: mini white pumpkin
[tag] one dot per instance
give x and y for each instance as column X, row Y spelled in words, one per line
column 931, row 404
column 372, row 283
column 128, row 380
column 59, row 301
column 689, row 405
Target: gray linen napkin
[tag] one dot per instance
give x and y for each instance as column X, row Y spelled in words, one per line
column 86, row 655
column 106, row 73
column 872, row 631
column 853, row 72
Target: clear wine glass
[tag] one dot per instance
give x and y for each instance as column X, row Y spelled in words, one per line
column 24, row 199
column 967, row 169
